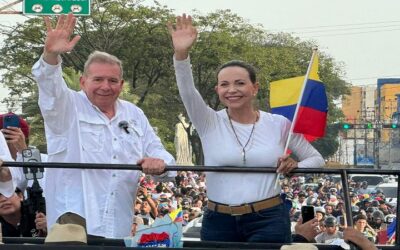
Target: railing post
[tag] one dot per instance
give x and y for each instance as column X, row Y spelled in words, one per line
column 397, row 240
column 346, row 197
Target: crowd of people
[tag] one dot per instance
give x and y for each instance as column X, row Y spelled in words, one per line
column 95, row 126
column 371, row 212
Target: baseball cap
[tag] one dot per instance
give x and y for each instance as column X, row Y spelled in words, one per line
column 23, row 124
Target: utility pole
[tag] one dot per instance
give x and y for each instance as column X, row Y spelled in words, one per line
column 377, row 139
column 364, row 120
column 355, row 149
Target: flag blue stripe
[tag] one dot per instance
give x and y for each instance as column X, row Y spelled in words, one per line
column 391, row 229
column 286, row 111
column 315, row 96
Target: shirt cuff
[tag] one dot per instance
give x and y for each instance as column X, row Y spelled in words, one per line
column 181, row 61
column 50, row 66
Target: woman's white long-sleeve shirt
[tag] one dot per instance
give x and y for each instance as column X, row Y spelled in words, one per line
column 221, row 148
column 78, row 132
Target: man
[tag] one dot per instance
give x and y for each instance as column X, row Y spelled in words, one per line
column 361, row 225
column 364, row 188
column 331, row 231
column 146, row 212
column 185, row 216
column 328, row 209
column 92, row 126
column 301, row 201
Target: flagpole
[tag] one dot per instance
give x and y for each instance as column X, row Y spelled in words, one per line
column 315, row 51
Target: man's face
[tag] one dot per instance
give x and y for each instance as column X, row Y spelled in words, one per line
column 378, row 221
column 328, row 209
column 102, row 84
column 361, row 224
column 163, row 209
column 198, row 203
column 145, row 208
column 10, row 205
column 330, row 229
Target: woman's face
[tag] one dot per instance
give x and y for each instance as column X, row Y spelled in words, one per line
column 235, row 89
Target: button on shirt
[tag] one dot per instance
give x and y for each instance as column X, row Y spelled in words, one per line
column 77, row 131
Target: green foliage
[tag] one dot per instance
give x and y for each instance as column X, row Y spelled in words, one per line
column 137, row 35
column 329, row 144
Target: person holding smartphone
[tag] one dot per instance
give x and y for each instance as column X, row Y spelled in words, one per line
column 16, row 133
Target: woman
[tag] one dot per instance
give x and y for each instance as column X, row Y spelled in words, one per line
column 241, row 207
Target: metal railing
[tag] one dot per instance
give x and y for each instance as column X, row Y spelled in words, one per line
column 343, row 172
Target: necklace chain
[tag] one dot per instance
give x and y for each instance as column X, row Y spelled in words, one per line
column 237, row 138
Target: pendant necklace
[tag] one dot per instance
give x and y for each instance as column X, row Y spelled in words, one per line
column 237, row 138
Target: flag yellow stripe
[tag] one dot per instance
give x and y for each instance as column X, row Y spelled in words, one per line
column 314, row 69
column 285, row 92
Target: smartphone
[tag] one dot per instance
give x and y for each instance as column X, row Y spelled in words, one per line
column 307, row 213
column 11, row 120
column 32, row 155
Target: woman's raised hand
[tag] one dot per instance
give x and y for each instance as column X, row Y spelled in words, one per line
column 184, row 34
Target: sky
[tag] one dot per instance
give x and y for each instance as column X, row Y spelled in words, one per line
column 364, row 35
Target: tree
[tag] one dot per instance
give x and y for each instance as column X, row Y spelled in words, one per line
column 134, row 33
column 137, row 35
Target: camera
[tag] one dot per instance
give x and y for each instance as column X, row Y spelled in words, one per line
column 32, row 155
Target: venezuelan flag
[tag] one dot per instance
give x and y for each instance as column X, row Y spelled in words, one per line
column 391, row 231
column 176, row 215
column 312, row 112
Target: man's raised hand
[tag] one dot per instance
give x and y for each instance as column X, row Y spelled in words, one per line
column 58, row 39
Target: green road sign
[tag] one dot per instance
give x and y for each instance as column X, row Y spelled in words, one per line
column 56, row 7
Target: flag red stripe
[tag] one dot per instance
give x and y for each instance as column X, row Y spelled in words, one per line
column 310, row 122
